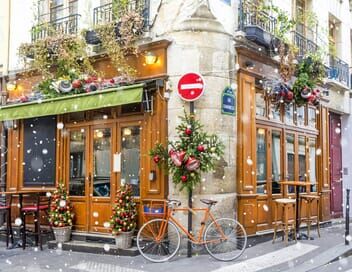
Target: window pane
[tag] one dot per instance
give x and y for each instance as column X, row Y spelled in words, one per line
column 290, row 159
column 274, row 112
column 39, row 154
column 301, row 117
column 101, row 162
column 302, row 158
column 276, row 161
column 312, row 117
column 261, row 161
column 289, row 114
column 77, row 163
column 260, row 102
column 130, row 156
column 312, row 164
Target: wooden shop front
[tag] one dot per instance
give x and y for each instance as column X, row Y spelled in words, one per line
column 101, row 142
column 288, row 143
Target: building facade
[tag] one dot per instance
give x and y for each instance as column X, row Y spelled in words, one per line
column 263, row 144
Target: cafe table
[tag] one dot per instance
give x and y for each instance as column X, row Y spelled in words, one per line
column 20, row 194
column 298, row 185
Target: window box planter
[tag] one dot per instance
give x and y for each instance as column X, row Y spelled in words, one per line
column 258, row 35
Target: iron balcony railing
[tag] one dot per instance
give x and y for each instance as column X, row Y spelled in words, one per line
column 303, row 44
column 65, row 25
column 109, row 12
column 338, row 70
column 250, row 15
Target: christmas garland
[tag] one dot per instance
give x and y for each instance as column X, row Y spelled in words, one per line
column 194, row 152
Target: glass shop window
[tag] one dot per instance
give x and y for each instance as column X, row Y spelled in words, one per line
column 289, row 114
column 312, row 164
column 312, row 117
column 275, row 112
column 261, row 161
column 301, row 116
column 39, row 163
column 302, row 174
column 260, row 102
column 290, row 159
column 130, row 156
column 276, row 161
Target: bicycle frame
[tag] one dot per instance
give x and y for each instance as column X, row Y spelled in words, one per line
column 196, row 240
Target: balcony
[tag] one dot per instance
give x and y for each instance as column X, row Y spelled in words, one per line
column 303, row 44
column 66, row 25
column 106, row 13
column 258, row 26
column 338, row 71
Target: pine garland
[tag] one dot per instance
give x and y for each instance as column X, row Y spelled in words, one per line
column 195, row 152
column 124, row 215
column 60, row 214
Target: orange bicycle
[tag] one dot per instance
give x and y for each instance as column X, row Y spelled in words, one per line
column 158, row 240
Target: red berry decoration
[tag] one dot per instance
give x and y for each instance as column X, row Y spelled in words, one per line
column 188, row 131
column 156, row 159
column 200, row 148
column 76, row 84
column 112, row 81
column 184, row 178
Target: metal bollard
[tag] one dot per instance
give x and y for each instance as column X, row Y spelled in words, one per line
column 347, row 222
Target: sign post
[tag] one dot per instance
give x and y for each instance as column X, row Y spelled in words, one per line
column 190, row 88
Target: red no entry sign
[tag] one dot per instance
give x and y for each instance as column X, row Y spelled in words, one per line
column 190, row 86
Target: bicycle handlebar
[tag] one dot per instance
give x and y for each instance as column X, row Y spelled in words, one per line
column 174, row 201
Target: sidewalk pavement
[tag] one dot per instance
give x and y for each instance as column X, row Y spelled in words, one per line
column 309, row 255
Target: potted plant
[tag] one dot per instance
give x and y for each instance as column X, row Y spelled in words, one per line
column 60, row 214
column 124, row 217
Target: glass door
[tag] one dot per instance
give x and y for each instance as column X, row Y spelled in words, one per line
column 100, row 177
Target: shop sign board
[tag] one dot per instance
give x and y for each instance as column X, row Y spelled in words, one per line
column 228, row 102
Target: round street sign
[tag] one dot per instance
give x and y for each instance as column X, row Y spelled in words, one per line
column 190, row 86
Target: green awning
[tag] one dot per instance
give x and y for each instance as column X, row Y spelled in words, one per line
column 74, row 103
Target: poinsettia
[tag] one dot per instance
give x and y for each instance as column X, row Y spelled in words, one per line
column 193, row 153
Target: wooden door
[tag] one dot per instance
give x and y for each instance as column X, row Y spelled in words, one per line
column 335, row 165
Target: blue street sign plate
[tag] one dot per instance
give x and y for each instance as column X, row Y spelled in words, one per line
column 228, row 102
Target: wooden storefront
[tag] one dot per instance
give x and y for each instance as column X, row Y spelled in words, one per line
column 94, row 151
column 273, row 145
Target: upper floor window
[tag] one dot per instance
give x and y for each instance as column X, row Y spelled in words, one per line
column 51, row 10
column 300, row 16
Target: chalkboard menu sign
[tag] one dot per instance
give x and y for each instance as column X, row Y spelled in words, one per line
column 39, row 151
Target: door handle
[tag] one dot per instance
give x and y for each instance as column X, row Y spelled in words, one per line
column 89, row 179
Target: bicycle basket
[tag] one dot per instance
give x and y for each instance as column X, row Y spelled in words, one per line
column 153, row 208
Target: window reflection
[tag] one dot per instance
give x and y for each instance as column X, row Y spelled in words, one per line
column 260, row 102
column 276, row 161
column 130, row 156
column 101, row 162
column 302, row 158
column 312, row 164
column 312, row 117
column 290, row 159
column 77, row 163
column 289, row 114
column 301, row 118
column 261, row 161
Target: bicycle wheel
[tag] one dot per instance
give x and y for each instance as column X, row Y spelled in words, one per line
column 158, row 240
column 232, row 246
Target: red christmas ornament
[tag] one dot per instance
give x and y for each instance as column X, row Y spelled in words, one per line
column 192, row 164
column 200, row 148
column 188, row 131
column 289, row 96
column 112, row 81
column 76, row 84
column 156, row 159
column 184, row 179
column 178, row 157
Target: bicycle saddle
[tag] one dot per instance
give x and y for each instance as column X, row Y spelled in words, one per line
column 208, row 201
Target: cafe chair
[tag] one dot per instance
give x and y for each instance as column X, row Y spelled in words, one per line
column 286, row 224
column 5, row 209
column 34, row 205
column 309, row 200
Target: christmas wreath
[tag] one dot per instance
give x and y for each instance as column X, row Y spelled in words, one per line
column 193, row 153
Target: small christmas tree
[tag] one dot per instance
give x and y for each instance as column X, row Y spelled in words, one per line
column 60, row 214
column 124, row 215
